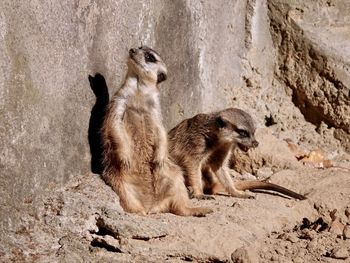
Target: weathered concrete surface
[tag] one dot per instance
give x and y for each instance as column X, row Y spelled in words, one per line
column 287, row 65
column 48, row 50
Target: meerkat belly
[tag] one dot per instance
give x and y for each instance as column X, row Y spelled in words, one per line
column 142, row 135
column 140, row 127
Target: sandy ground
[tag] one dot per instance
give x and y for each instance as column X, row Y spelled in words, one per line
column 83, row 222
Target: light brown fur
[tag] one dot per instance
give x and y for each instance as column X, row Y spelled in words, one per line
column 136, row 163
column 202, row 146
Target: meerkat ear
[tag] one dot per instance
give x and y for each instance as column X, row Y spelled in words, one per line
column 220, row 122
column 161, row 77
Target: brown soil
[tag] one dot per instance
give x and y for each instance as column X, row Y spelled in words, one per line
column 83, row 222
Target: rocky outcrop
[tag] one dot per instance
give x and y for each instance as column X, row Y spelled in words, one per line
column 311, row 62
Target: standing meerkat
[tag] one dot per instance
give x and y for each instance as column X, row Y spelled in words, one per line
column 136, row 163
column 202, row 146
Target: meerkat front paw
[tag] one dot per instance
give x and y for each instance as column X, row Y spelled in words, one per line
column 159, row 159
column 124, row 160
column 242, row 194
column 153, row 211
column 199, row 195
column 203, row 197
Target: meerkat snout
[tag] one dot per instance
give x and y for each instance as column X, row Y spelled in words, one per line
column 246, row 140
column 132, row 51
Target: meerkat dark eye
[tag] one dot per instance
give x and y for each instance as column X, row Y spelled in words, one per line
column 220, row 122
column 242, row 133
column 150, row 57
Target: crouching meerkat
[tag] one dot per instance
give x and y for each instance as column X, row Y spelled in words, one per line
column 202, row 146
column 136, row 163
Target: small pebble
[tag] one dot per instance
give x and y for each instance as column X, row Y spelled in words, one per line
column 340, row 253
column 279, row 251
column 312, row 245
column 347, row 213
column 244, row 255
column 336, row 227
column 298, row 260
column 346, row 232
column 246, row 176
column 301, row 253
column 292, row 238
column 264, row 172
column 308, row 234
column 275, row 258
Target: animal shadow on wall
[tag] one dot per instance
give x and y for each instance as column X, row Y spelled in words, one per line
column 100, row 89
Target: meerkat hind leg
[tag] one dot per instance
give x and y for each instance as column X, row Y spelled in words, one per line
column 192, row 211
column 177, row 200
column 161, row 207
column 179, row 209
column 180, row 206
column 128, row 199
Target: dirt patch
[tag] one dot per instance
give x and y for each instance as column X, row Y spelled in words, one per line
column 84, row 221
column 316, row 240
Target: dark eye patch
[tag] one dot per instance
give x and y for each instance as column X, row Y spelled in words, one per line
column 149, row 57
column 220, row 122
column 242, row 133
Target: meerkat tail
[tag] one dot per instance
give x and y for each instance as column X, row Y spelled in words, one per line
column 255, row 185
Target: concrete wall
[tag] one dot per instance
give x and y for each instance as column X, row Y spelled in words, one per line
column 48, row 49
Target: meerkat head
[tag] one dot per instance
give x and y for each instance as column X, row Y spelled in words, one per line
column 237, row 126
column 147, row 65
